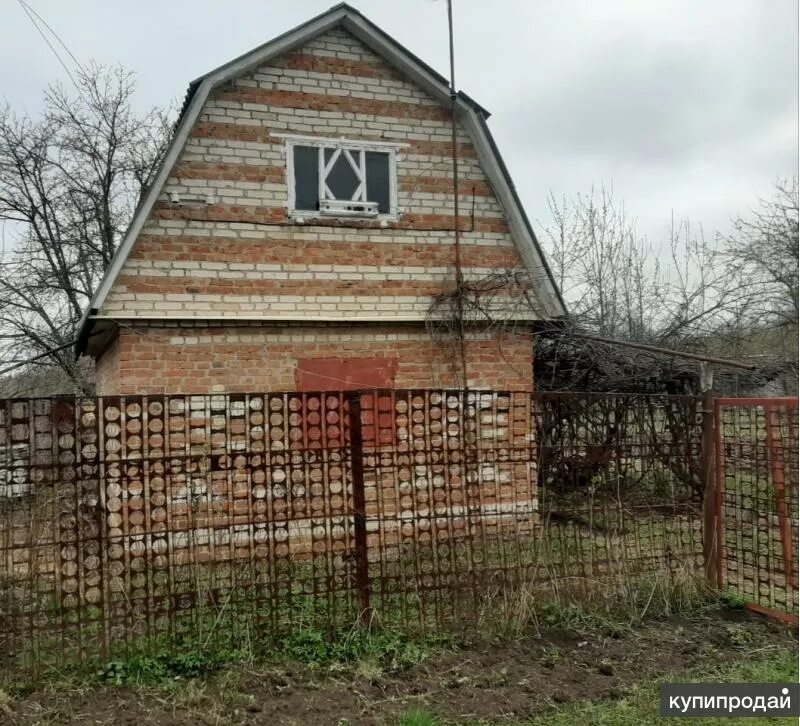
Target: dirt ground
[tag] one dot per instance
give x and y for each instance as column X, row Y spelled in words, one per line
column 481, row 681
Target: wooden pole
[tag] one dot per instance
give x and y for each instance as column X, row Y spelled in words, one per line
column 724, row 362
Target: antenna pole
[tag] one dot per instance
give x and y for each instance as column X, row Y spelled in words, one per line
column 456, row 209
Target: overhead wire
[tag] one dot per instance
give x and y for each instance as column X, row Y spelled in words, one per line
column 55, row 34
column 32, row 16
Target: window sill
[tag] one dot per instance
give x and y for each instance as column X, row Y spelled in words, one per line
column 317, row 217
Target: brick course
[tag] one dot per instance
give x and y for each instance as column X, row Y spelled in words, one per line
column 309, row 253
column 181, row 359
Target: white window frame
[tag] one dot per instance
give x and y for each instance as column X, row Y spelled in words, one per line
column 354, row 151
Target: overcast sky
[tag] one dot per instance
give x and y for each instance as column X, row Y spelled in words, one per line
column 686, row 106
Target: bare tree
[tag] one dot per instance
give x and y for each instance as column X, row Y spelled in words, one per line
column 763, row 254
column 764, row 250
column 617, row 285
column 737, row 300
column 69, row 182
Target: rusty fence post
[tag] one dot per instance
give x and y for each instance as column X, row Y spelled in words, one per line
column 359, row 507
column 775, row 452
column 711, row 543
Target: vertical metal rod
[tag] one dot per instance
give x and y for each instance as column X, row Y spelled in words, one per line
column 710, row 530
column 719, row 493
column 359, row 507
column 102, row 523
column 775, row 450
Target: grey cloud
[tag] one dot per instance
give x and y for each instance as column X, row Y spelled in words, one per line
column 688, row 105
column 658, row 110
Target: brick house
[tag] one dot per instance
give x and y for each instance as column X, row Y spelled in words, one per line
column 302, row 222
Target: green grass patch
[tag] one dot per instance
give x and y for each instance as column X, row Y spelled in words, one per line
column 381, row 651
column 392, row 650
column 371, row 652
column 418, row 717
column 166, row 666
column 639, row 706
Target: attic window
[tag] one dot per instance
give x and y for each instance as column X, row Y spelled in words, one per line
column 341, row 178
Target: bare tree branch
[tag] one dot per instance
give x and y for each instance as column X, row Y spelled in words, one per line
column 69, row 183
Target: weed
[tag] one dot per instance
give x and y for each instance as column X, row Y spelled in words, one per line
column 732, row 600
column 309, row 645
column 582, row 604
column 165, row 666
column 738, row 635
column 5, row 702
column 369, row 669
column 387, row 650
column 550, row 656
column 372, row 652
column 418, row 717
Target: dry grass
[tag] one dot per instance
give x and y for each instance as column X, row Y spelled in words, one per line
column 627, row 598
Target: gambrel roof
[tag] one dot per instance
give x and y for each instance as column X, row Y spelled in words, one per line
column 471, row 115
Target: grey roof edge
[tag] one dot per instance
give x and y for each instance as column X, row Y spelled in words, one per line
column 385, row 46
column 346, row 10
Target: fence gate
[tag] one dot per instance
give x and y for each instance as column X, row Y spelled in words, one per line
column 757, row 502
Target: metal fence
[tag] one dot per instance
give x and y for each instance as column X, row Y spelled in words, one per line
column 620, row 482
column 130, row 523
column 757, row 488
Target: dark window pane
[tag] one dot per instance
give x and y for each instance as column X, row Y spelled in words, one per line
column 378, row 180
column 341, row 179
column 306, row 177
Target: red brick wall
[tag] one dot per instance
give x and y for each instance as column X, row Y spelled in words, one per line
column 261, row 358
column 106, row 369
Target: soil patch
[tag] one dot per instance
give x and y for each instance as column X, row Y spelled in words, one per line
column 494, row 681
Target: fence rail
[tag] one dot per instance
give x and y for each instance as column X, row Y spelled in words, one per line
column 129, row 523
